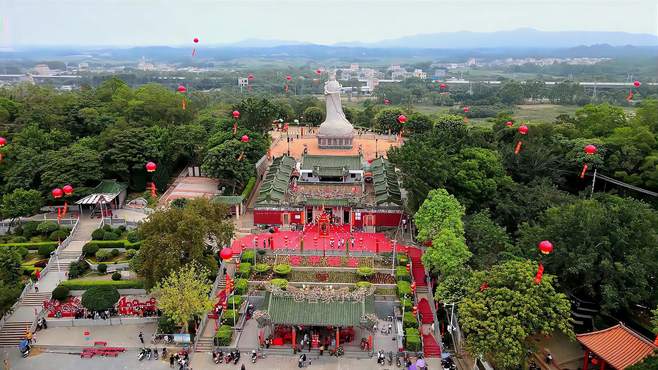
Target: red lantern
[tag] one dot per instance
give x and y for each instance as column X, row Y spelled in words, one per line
column 402, row 119
column 236, row 114
column 318, row 72
column 68, row 189
column 408, row 267
column 443, row 86
column 540, row 273
column 244, row 139
column 545, row 247
column 57, row 193
column 509, row 123
column 414, row 310
column 387, row 102
column 181, row 89
column 523, row 130
column 637, row 83
column 226, row 254
column 250, row 77
column 590, row 149
column 3, row 141
column 467, row 109
column 413, row 287
column 289, row 77
column 196, row 40
column 151, row 167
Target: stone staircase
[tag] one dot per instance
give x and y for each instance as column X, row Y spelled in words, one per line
column 33, row 299
column 205, row 342
column 13, row 332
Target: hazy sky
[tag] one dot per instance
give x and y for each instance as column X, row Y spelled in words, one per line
column 177, row 22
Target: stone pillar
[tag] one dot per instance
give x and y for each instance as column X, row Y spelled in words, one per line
column 586, row 363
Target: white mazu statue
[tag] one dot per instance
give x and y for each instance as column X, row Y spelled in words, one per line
column 336, row 131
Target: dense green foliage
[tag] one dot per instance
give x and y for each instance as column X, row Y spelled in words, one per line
column 100, row 298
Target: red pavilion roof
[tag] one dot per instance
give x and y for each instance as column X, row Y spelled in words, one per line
column 619, row 346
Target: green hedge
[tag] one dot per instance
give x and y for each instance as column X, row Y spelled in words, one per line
column 245, row 269
column 409, row 320
column 363, row 284
column 234, row 299
column 412, row 340
column 81, row 284
column 248, row 256
column 408, row 305
column 401, row 274
column 112, row 244
column 241, row 286
column 404, row 288
column 30, row 246
column 365, row 271
column 261, row 268
column 282, row 269
column 281, row 283
column 248, row 188
column 224, row 335
column 228, row 315
column 402, row 260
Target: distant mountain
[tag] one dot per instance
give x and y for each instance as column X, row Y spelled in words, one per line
column 262, row 43
column 520, row 38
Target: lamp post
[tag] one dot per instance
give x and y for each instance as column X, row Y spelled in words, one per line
column 376, row 151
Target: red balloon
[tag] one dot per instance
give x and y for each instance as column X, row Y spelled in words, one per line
column 318, row 72
column 467, row 109
column 181, row 89
column 545, row 247
column 3, row 141
column 236, row 114
column 151, row 167
column 245, row 139
column 509, row 123
column 443, row 86
column 590, row 149
column 251, row 77
column 288, row 77
column 402, row 118
column 68, row 189
column 226, row 254
column 196, row 40
column 57, row 193
column 637, row 83
column 523, row 129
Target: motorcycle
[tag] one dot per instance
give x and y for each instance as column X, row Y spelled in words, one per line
column 398, row 361
column 381, row 359
column 390, row 358
column 215, row 357
column 155, row 354
column 448, row 364
column 142, row 354
column 149, row 354
column 237, row 357
column 24, row 347
column 164, row 352
column 254, row 356
column 228, row 358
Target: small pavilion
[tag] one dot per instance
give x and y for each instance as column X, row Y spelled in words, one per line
column 616, row 347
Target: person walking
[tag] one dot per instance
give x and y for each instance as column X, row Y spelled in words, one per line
column 141, row 337
column 171, row 360
column 243, row 367
column 36, row 287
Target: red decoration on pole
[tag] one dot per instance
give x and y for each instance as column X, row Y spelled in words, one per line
column 289, row 77
column 402, row 119
column 414, row 310
column 250, row 77
column 57, row 193
column 3, row 141
column 589, row 150
column 387, row 102
column 244, row 139
column 413, row 287
column 408, row 267
column 523, row 130
column 318, row 71
column 151, row 167
column 181, row 89
column 68, row 189
column 443, row 86
column 196, row 41
column 540, row 273
column 637, row 83
column 226, row 254
column 467, row 109
column 545, row 247
column 236, row 114
column 509, row 123
column 484, row 286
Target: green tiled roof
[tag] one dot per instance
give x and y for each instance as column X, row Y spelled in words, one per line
column 275, row 184
column 385, row 182
column 332, row 202
column 284, row 310
column 110, row 187
column 331, row 166
column 228, row 199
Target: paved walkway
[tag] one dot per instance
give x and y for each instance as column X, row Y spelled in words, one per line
column 116, row 336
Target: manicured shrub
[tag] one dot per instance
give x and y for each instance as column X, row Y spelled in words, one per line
column 409, row 320
column 224, row 336
column 228, row 317
column 29, row 229
column 90, row 249
column 77, row 269
column 98, row 234
column 411, row 340
column 102, row 268
column 22, row 251
column 401, row 274
column 116, row 276
column 80, row 284
column 365, row 271
column 241, row 286
column 109, row 235
column 130, row 253
column 115, row 252
column 103, row 255
column 247, row 256
column 46, row 250
column 47, row 227
column 245, row 269
column 281, row 283
column 261, row 252
column 402, row 260
column 234, row 299
column 282, row 269
column 107, row 227
column 58, row 235
column 404, row 288
column 121, row 229
column 407, row 304
column 100, row 298
column 261, row 268
column 60, row 293
column 133, row 236
column 29, row 245
column 19, row 239
column 363, row 284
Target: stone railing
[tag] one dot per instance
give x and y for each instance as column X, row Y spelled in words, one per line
column 65, row 243
column 26, row 289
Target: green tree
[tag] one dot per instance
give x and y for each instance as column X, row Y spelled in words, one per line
column 439, row 220
column 500, row 320
column 313, row 116
column 599, row 120
column 604, row 249
column 100, row 298
column 486, row 239
column 10, row 265
column 20, row 203
column 228, row 161
column 511, row 93
column 77, row 165
column 184, row 294
column 418, row 124
column 387, row 120
column 649, row 363
column 647, row 114
column 256, row 114
column 174, row 237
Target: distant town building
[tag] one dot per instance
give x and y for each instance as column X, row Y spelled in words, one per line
column 243, row 82
column 83, row 67
column 418, row 73
column 440, row 73
column 42, row 70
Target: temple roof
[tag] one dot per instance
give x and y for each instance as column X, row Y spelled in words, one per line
column 105, row 191
column 619, row 346
column 285, row 310
column 385, row 181
column 274, row 186
column 331, row 165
